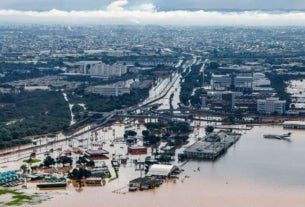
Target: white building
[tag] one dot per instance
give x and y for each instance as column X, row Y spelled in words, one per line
column 116, row 89
column 161, row 170
column 221, row 81
column 294, row 124
column 271, row 105
column 97, row 68
column 259, row 79
column 226, row 81
column 243, row 82
column 105, row 70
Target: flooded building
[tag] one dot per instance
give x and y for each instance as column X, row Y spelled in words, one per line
column 163, row 171
column 98, row 154
column 137, row 150
column 294, row 124
column 99, row 171
column 8, row 179
column 93, row 181
column 212, row 146
column 144, row 183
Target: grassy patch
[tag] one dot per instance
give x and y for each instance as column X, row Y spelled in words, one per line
column 18, row 198
column 108, row 175
column 31, row 161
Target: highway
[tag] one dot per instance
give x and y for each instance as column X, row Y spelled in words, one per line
column 157, row 93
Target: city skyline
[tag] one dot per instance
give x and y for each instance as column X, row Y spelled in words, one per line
column 151, row 13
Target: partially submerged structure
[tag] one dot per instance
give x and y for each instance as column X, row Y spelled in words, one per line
column 294, row 125
column 212, row 146
column 8, row 179
column 53, row 183
column 137, row 150
column 144, row 183
column 154, row 178
column 96, row 154
column 162, row 171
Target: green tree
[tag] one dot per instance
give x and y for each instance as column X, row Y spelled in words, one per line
column 209, row 129
column 145, row 133
column 130, row 133
column 24, row 169
column 91, row 163
column 78, row 174
column 48, row 161
column 64, row 160
column 152, row 139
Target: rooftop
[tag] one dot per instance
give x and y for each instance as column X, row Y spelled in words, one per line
column 161, row 170
column 93, row 152
column 294, row 123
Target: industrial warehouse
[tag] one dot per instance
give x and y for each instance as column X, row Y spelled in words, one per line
column 212, row 146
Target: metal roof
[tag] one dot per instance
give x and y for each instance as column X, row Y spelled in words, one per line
column 161, row 170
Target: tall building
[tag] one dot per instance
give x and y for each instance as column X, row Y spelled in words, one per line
column 221, row 81
column 271, row 106
column 239, row 82
column 243, row 82
column 97, row 68
column 226, row 100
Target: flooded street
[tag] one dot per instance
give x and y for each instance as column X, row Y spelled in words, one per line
column 263, row 172
column 259, row 171
column 175, row 92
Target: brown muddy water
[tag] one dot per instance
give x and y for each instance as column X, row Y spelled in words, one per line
column 255, row 172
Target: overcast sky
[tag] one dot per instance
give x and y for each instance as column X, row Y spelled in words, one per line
column 160, row 4
column 155, row 12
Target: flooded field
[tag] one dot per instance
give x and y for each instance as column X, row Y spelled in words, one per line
column 256, row 171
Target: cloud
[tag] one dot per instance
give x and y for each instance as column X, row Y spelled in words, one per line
column 147, row 14
column 149, row 7
column 117, row 5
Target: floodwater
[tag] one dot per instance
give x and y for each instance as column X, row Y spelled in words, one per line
column 175, row 90
column 163, row 87
column 255, row 172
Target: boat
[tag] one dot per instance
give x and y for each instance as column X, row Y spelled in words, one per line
column 53, row 183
